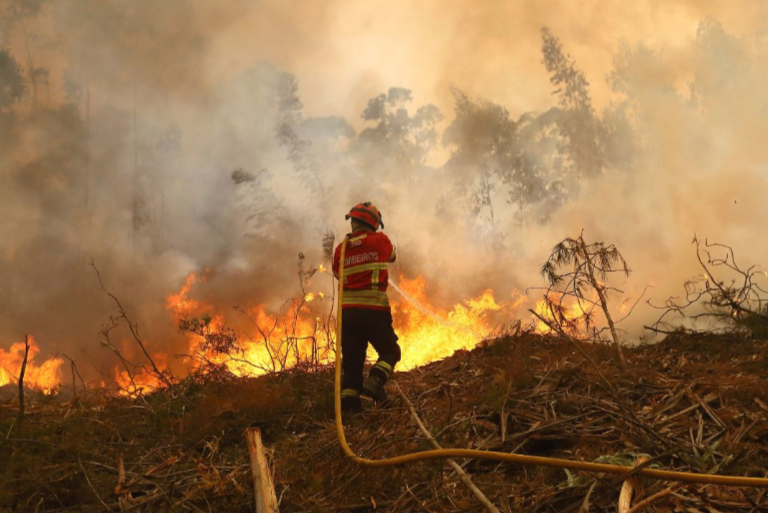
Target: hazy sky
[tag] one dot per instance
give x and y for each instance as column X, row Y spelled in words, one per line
column 342, row 53
column 178, row 95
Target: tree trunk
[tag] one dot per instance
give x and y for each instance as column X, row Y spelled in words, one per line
column 600, row 289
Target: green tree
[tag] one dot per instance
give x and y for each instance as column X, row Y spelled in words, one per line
column 482, row 142
column 12, row 85
column 300, row 152
column 491, row 154
column 263, row 211
column 577, row 122
column 397, row 136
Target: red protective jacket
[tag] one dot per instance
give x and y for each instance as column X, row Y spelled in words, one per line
column 365, row 270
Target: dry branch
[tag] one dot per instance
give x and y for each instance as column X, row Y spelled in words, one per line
column 133, row 328
column 76, row 372
column 90, row 485
column 741, row 305
column 653, row 498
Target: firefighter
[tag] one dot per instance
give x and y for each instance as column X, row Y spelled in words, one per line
column 366, row 315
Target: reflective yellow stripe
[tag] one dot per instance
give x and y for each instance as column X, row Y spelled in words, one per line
column 359, row 237
column 376, row 266
column 365, row 301
column 375, row 277
column 365, row 293
column 350, row 392
column 384, row 367
column 394, row 254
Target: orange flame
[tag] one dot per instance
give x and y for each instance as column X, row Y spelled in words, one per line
column 142, row 382
column 179, row 302
column 572, row 311
column 296, row 335
column 43, row 377
column 427, row 333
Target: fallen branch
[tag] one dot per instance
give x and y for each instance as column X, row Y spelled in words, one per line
column 653, row 498
column 708, row 399
column 459, row 471
column 88, row 480
column 738, row 306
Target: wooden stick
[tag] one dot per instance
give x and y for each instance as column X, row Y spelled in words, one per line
column 263, row 486
column 712, row 415
column 74, row 384
column 645, row 502
column 459, row 471
column 708, row 399
column 21, row 378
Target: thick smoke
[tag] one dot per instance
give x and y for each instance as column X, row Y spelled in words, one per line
column 163, row 138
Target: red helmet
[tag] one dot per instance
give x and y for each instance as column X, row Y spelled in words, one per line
column 367, row 213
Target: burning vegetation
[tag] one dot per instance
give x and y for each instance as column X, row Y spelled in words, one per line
column 44, row 376
column 128, row 142
column 547, row 387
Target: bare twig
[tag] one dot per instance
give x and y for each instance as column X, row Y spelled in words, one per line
column 741, row 305
column 76, row 372
column 133, row 328
column 653, row 498
column 88, row 480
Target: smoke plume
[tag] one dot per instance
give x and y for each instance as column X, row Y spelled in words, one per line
column 159, row 139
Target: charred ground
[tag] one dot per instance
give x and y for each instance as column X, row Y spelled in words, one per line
column 698, row 402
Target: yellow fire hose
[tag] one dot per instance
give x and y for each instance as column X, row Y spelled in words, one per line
column 666, row 475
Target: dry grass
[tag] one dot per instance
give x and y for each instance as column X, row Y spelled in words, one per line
column 527, row 394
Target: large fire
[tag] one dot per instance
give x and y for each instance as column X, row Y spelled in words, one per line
column 44, row 376
column 255, row 340
column 427, row 333
column 305, row 333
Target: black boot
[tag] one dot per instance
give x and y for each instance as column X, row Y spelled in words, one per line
column 377, row 378
column 374, row 388
column 350, row 400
